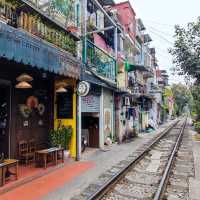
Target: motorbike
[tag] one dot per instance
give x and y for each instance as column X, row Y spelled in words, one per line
column 83, row 144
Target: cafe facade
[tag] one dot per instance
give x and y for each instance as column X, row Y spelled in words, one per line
column 35, row 75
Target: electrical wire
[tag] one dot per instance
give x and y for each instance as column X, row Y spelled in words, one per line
column 157, row 30
column 158, row 23
column 162, row 37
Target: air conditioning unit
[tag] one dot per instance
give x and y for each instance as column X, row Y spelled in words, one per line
column 126, row 101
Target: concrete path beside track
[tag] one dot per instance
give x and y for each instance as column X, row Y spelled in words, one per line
column 74, row 177
column 194, row 182
column 103, row 160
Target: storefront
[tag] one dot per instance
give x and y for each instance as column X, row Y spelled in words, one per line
column 30, row 70
column 91, row 116
column 97, row 111
column 26, row 111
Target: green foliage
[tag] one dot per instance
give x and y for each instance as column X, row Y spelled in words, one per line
column 66, row 7
column 62, row 136
column 197, row 126
column 183, row 98
column 186, row 50
column 195, row 90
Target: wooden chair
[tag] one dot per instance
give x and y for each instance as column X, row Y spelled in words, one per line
column 24, row 154
column 32, row 148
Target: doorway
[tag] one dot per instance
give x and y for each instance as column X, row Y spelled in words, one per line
column 4, row 119
column 90, row 129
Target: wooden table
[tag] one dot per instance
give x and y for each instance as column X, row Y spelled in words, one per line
column 5, row 166
column 54, row 151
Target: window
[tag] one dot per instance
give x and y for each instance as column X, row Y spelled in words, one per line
column 65, row 105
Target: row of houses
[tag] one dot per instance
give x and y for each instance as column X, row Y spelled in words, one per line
column 84, row 64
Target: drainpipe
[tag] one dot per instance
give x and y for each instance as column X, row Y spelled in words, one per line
column 84, row 61
column 78, row 128
column 115, row 42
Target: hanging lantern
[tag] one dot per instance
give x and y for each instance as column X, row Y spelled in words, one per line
column 23, row 85
column 24, row 78
column 61, row 90
column 61, row 87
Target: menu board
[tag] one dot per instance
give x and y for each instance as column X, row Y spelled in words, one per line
column 65, row 105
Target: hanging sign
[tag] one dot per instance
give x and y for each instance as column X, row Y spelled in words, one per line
column 83, row 88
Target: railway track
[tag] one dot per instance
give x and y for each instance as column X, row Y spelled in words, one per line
column 145, row 174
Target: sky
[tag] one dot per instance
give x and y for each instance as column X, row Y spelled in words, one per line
column 159, row 17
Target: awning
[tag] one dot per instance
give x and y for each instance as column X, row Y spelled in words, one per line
column 134, row 67
column 147, row 96
column 95, row 79
column 24, row 48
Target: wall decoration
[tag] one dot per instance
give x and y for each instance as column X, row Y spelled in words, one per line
column 41, row 109
column 32, row 106
column 25, row 110
column 40, row 123
column 32, row 102
column 107, row 122
column 25, row 123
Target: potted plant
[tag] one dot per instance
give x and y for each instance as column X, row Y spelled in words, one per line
column 61, row 137
column 72, row 29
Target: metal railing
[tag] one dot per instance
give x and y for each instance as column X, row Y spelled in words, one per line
column 100, row 62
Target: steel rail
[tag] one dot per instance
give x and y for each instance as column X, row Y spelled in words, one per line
column 165, row 177
column 106, row 187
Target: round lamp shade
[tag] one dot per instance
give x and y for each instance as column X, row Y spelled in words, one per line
column 24, row 78
column 23, row 85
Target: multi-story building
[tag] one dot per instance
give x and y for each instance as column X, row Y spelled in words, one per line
column 99, row 58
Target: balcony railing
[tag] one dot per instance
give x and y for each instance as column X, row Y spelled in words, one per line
column 25, row 16
column 100, row 62
column 139, row 35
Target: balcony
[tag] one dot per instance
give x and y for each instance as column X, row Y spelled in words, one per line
column 22, row 47
column 139, row 90
column 25, row 16
column 139, row 35
column 149, row 73
column 100, row 62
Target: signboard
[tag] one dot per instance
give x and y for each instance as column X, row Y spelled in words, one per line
column 83, row 88
column 90, row 103
column 65, row 105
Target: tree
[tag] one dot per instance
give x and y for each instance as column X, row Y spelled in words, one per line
column 186, row 50
column 182, row 98
column 195, row 90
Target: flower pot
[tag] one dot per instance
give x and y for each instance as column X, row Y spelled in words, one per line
column 72, row 29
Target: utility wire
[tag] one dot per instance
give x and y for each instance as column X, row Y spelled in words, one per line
column 158, row 23
column 162, row 37
column 162, row 32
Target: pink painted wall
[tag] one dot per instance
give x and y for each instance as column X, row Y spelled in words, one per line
column 100, row 42
column 126, row 16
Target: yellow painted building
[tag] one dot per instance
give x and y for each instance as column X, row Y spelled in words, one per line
column 67, row 122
